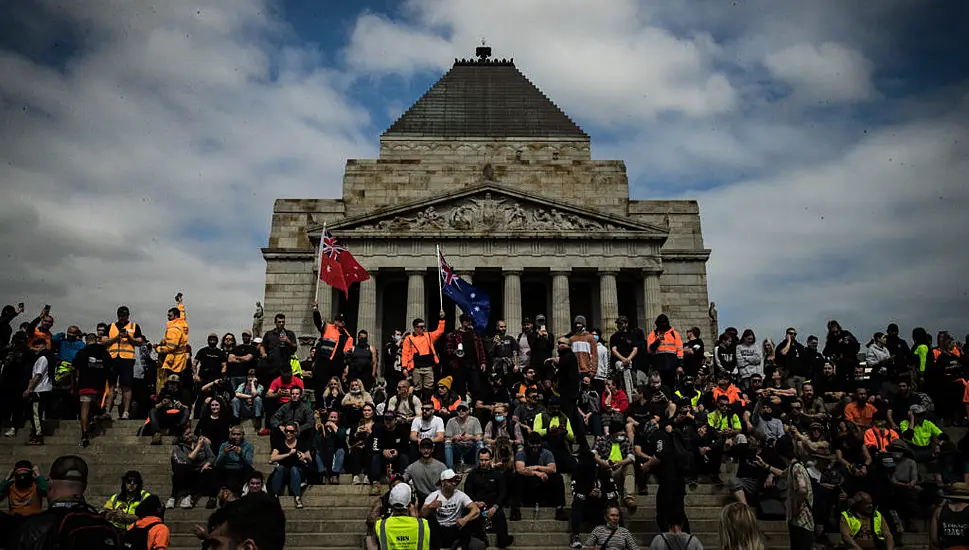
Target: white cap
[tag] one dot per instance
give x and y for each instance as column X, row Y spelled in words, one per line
column 448, row 474
column 257, row 340
column 400, row 495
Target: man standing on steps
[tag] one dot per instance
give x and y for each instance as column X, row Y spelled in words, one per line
column 403, row 530
column 123, row 337
column 49, row 529
column 92, row 366
column 665, row 349
column 418, row 356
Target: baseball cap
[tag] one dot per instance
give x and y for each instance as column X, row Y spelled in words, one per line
column 917, row 409
column 427, row 443
column 400, row 495
column 462, row 406
column 448, row 474
column 69, row 468
column 390, row 414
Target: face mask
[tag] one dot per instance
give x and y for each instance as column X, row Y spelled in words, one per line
column 766, row 416
column 502, row 332
column 362, row 340
column 212, row 343
column 396, row 338
column 611, row 525
column 499, row 418
column 596, row 337
column 355, row 391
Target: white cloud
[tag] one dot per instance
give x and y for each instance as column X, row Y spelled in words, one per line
column 829, row 73
column 148, row 164
column 610, row 66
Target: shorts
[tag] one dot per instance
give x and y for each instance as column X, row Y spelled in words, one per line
column 125, row 368
column 87, row 398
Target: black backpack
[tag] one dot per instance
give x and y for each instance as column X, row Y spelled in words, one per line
column 136, row 538
column 81, row 527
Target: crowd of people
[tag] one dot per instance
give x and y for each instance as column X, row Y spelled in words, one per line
column 838, row 437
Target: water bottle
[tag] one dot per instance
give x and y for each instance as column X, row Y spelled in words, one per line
column 537, row 510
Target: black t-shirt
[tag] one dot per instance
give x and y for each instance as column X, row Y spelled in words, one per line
column 291, row 460
column 658, row 399
column 93, row 365
column 242, row 369
column 692, row 363
column 623, row 342
column 901, row 404
column 659, row 444
column 210, row 363
column 747, row 467
column 640, row 412
column 850, row 450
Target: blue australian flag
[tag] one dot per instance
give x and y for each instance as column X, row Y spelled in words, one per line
column 471, row 300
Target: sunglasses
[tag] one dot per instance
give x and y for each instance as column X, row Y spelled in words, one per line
column 427, row 409
column 419, row 326
column 131, row 480
column 290, row 431
column 442, row 387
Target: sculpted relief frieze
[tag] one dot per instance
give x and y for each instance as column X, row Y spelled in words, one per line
column 486, row 213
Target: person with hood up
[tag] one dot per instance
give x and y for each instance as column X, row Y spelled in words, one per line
column 170, row 412
column 173, row 348
column 120, row 507
column 24, row 489
column 665, row 348
column 149, row 531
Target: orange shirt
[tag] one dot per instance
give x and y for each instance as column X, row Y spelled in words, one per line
column 875, row 437
column 420, row 345
column 860, row 415
column 732, row 392
column 159, row 535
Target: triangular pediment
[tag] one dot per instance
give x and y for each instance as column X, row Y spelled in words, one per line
column 490, row 208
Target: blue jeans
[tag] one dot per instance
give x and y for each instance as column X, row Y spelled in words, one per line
column 595, row 424
column 336, row 467
column 466, row 454
column 279, row 475
column 253, row 411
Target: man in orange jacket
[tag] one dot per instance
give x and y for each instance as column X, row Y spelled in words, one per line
column 418, row 356
column 665, row 349
column 173, row 349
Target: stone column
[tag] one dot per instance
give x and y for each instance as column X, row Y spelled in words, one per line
column 415, row 297
column 652, row 297
column 513, row 301
column 561, row 307
column 325, row 306
column 367, row 308
column 608, row 302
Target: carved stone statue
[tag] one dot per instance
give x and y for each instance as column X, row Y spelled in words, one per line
column 257, row 321
column 517, row 217
column 714, row 321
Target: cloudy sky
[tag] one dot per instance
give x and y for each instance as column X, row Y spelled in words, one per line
column 142, row 143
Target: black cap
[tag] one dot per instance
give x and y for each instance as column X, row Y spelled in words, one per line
column 389, row 414
column 132, row 474
column 462, row 406
column 69, row 468
column 427, row 443
column 533, row 438
column 23, row 465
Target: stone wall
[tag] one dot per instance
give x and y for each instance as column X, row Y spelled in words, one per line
column 484, row 150
column 684, row 289
column 290, row 289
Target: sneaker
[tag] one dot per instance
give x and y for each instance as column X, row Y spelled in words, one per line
column 264, row 432
column 125, row 416
column 299, row 502
column 156, row 439
column 575, row 542
column 210, row 505
column 186, row 503
column 170, row 503
column 692, row 484
column 10, row 432
column 85, row 441
column 561, row 515
column 35, row 441
column 334, row 480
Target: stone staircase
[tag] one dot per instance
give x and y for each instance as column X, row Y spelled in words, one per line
column 333, row 514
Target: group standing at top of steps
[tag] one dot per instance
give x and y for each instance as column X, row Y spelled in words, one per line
column 817, row 435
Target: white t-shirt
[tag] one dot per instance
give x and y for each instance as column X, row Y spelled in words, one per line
column 451, row 508
column 427, row 429
column 40, row 367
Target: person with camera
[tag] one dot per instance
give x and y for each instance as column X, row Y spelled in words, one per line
column 276, row 349
column 24, row 489
column 390, row 442
column 542, row 345
column 468, row 359
column 170, row 413
column 505, row 353
column 279, row 393
column 418, row 356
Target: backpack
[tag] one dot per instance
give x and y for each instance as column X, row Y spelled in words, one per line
column 682, row 454
column 81, row 527
column 136, row 538
column 679, row 545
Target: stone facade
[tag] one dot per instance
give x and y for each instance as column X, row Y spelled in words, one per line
column 535, row 221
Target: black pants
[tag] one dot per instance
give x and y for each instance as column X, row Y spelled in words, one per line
column 189, row 481
column 499, row 524
column 231, row 478
column 801, row 539
column 671, row 495
column 532, row 490
column 451, row 537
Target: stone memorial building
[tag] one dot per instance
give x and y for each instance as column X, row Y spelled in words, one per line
column 487, row 167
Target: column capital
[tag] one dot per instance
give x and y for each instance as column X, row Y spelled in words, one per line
column 415, row 271
column 512, row 271
column 653, row 270
column 612, row 272
column 566, row 271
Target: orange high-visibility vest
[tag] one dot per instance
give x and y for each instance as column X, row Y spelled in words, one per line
column 330, row 332
column 122, row 349
column 671, row 342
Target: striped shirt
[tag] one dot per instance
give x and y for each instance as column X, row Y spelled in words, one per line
column 621, row 540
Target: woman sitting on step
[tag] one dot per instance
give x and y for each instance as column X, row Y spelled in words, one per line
column 294, row 460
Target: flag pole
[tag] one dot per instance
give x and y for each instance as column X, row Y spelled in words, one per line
column 319, row 265
column 440, row 284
